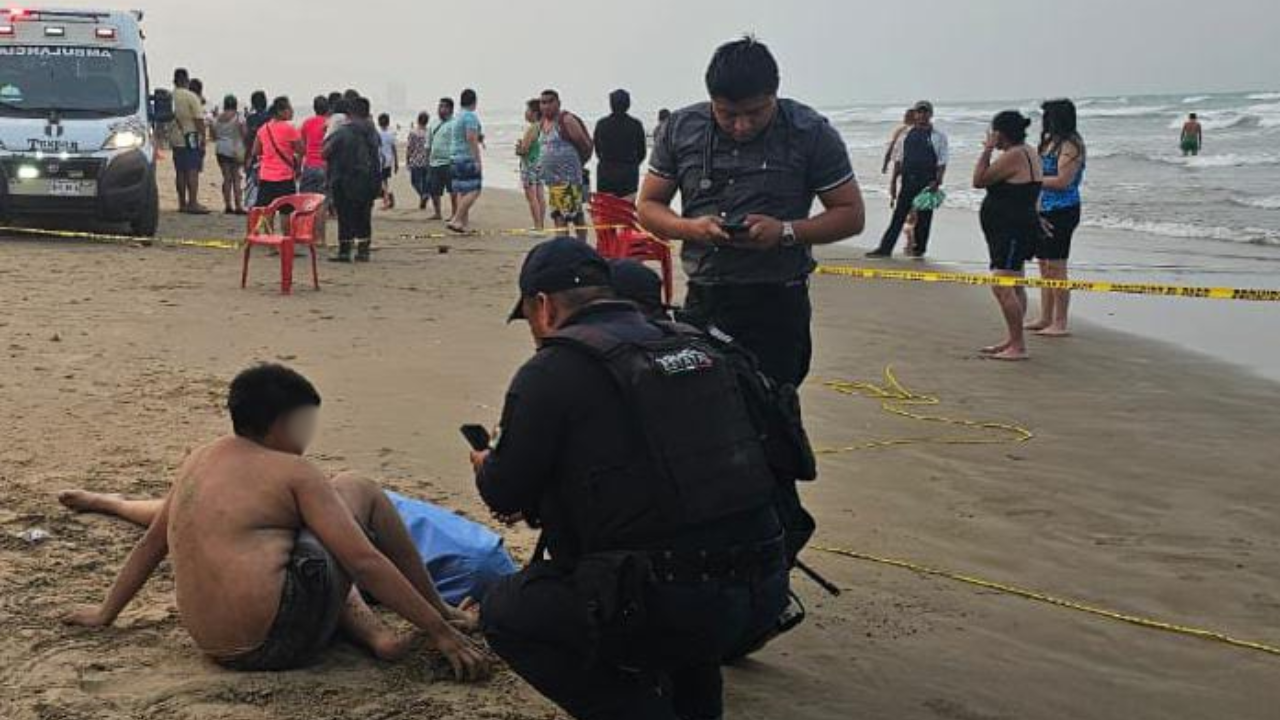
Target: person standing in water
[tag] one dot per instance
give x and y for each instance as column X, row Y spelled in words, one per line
column 1010, row 220
column 1192, row 136
column 1062, row 152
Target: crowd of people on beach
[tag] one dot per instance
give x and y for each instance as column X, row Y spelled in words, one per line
column 264, row 155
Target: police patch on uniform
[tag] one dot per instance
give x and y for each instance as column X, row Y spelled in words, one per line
column 684, row 360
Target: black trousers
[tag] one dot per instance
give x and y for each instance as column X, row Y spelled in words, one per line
column 668, row 670
column 772, row 321
column 911, row 187
column 355, row 217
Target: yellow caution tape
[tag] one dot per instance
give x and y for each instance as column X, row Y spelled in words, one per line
column 929, row 276
column 123, row 239
column 896, row 399
column 1059, row 602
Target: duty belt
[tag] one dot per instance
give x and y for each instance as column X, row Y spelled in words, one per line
column 740, row 562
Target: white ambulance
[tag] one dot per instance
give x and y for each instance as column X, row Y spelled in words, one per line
column 76, row 118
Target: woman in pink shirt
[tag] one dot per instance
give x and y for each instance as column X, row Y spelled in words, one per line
column 280, row 149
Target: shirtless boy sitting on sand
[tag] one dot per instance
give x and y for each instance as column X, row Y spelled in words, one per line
column 268, row 553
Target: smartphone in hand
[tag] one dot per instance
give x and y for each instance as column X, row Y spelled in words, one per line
column 477, row 437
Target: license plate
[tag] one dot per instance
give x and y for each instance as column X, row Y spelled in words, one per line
column 72, row 188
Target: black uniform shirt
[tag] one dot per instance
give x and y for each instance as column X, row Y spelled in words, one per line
column 778, row 174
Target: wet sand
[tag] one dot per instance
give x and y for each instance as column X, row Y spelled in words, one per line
column 1149, row 487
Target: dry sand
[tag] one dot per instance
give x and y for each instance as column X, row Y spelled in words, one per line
column 1149, row 488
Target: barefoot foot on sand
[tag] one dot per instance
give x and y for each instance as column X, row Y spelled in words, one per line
column 995, row 349
column 1037, row 326
column 1053, row 332
column 1010, row 355
column 88, row 502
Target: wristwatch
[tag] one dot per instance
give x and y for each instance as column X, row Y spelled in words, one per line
column 789, row 238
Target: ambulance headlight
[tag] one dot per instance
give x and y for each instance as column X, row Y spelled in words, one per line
column 124, row 139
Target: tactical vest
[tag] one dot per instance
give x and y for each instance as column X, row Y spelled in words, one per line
column 705, row 458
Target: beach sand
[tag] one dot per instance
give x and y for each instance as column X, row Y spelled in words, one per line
column 1149, row 487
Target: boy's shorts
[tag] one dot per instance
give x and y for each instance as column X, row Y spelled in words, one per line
column 310, row 602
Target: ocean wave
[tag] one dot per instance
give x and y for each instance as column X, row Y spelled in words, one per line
column 1194, row 99
column 1224, row 161
column 1264, row 96
column 1202, row 161
column 1261, row 203
column 1135, row 111
column 1247, row 236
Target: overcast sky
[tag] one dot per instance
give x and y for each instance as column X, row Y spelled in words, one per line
column 832, row 51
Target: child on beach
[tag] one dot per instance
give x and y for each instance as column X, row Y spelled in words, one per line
column 269, row 555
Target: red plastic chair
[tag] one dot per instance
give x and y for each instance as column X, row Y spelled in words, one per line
column 620, row 236
column 305, row 227
column 610, row 214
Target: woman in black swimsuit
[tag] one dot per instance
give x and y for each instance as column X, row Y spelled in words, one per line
column 1010, row 219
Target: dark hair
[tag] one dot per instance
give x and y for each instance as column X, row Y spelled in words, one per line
column 264, row 394
column 619, row 101
column 279, row 105
column 1059, row 123
column 551, row 93
column 334, row 97
column 230, row 103
column 468, row 98
column 258, row 100
column 196, row 86
column 350, row 94
column 1012, row 125
column 320, row 105
column 384, row 120
column 663, row 114
column 447, row 102
column 1194, row 116
column 424, row 118
column 534, row 105
column 358, row 108
column 742, row 70
column 181, row 77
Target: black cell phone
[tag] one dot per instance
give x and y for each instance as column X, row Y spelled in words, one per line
column 737, row 228
column 477, row 437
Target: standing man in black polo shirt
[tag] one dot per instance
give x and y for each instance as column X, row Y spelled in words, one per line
column 621, row 146
column 748, row 166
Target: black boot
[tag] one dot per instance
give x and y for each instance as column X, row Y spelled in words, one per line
column 363, row 252
column 344, row 253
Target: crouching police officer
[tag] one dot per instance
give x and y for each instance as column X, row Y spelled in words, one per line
column 630, row 443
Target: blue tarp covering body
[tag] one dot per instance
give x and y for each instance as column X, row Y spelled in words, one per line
column 464, row 558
